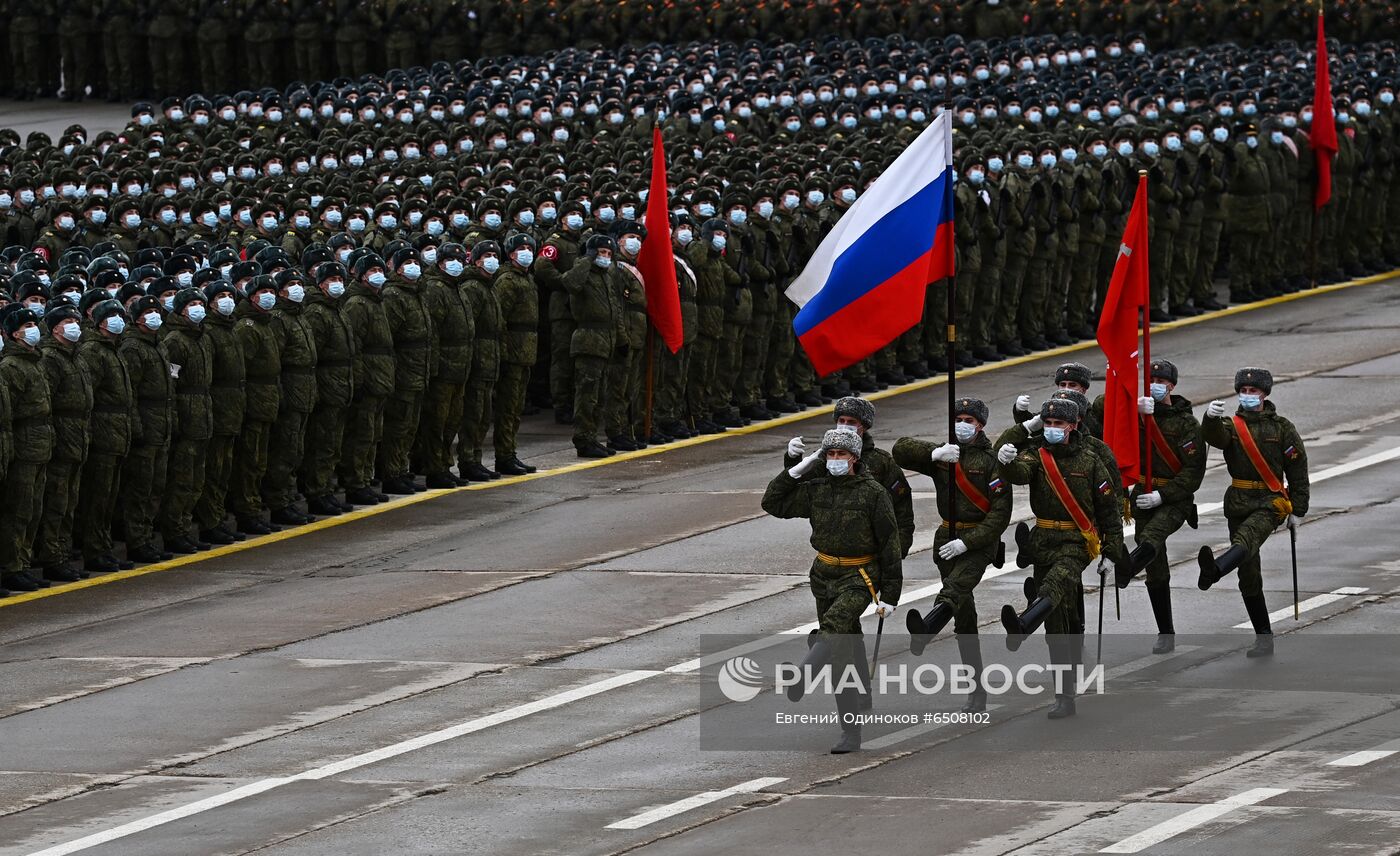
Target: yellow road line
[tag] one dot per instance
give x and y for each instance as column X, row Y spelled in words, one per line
column 786, row 419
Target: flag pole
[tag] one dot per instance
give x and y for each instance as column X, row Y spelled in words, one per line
column 1146, row 350
column 952, row 406
column 651, row 348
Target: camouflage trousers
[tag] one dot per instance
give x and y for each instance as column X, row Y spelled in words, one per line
column 143, row 485
column 960, row 577
column 211, row 509
column 509, row 404
column 183, row 485
column 1154, row 526
column 19, row 525
column 363, row 432
column 1251, row 532
column 97, row 502
column 1060, row 560
column 55, row 536
column 841, row 595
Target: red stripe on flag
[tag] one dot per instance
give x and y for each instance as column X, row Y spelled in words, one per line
column 882, row 314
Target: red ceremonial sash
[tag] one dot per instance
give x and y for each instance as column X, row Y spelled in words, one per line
column 970, row 490
column 1257, row 458
column 1159, row 442
column 1061, row 488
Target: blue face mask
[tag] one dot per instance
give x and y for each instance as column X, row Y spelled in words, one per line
column 453, row 267
column 115, row 325
column 1055, row 435
column 491, row 264
column 1159, row 391
column 1250, row 402
column 266, row 300
column 838, row 468
column 492, row 221
column 964, row 431
column 718, row 242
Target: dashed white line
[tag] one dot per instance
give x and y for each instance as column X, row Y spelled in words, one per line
column 646, row 818
column 1190, row 820
column 354, row 762
column 1311, row 603
column 1367, row 756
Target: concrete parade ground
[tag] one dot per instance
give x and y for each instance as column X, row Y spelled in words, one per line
column 510, row 668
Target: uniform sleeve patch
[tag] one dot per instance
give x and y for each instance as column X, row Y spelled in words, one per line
column 1291, row 453
column 1105, row 488
column 996, row 485
column 549, row 251
column 1189, row 447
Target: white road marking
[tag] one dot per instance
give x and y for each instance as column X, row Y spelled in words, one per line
column 1311, row 603
column 1190, row 820
column 1368, row 756
column 354, row 762
column 646, row 818
column 559, row 699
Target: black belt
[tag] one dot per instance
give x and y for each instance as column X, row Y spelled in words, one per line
column 228, row 384
column 164, row 398
column 265, row 381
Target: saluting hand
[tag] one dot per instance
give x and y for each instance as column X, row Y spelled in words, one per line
column 1216, row 409
column 796, row 448
column 1006, row 454
column 1023, row 402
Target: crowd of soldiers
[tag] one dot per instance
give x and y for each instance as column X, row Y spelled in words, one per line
column 333, row 290
column 125, row 49
column 860, row 508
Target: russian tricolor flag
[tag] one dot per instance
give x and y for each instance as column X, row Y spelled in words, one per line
column 864, row 285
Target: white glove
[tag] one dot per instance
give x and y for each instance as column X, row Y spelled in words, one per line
column 1146, row 405
column 1006, row 454
column 1106, row 569
column 796, row 448
column 1149, row 500
column 1294, row 521
column 948, row 453
column 1216, row 409
column 1023, row 403
column 952, row 549
column 1033, row 424
column 883, row 609
column 804, row 465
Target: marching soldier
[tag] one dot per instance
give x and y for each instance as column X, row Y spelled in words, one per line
column 858, row 416
column 1268, row 486
column 859, row 554
column 980, row 511
column 1172, row 436
column 1076, row 521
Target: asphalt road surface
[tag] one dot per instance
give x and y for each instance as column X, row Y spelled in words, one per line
column 510, row 670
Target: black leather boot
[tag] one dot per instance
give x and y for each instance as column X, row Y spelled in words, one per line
column 1212, row 569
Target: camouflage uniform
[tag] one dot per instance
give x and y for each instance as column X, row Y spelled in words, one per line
column 520, row 312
